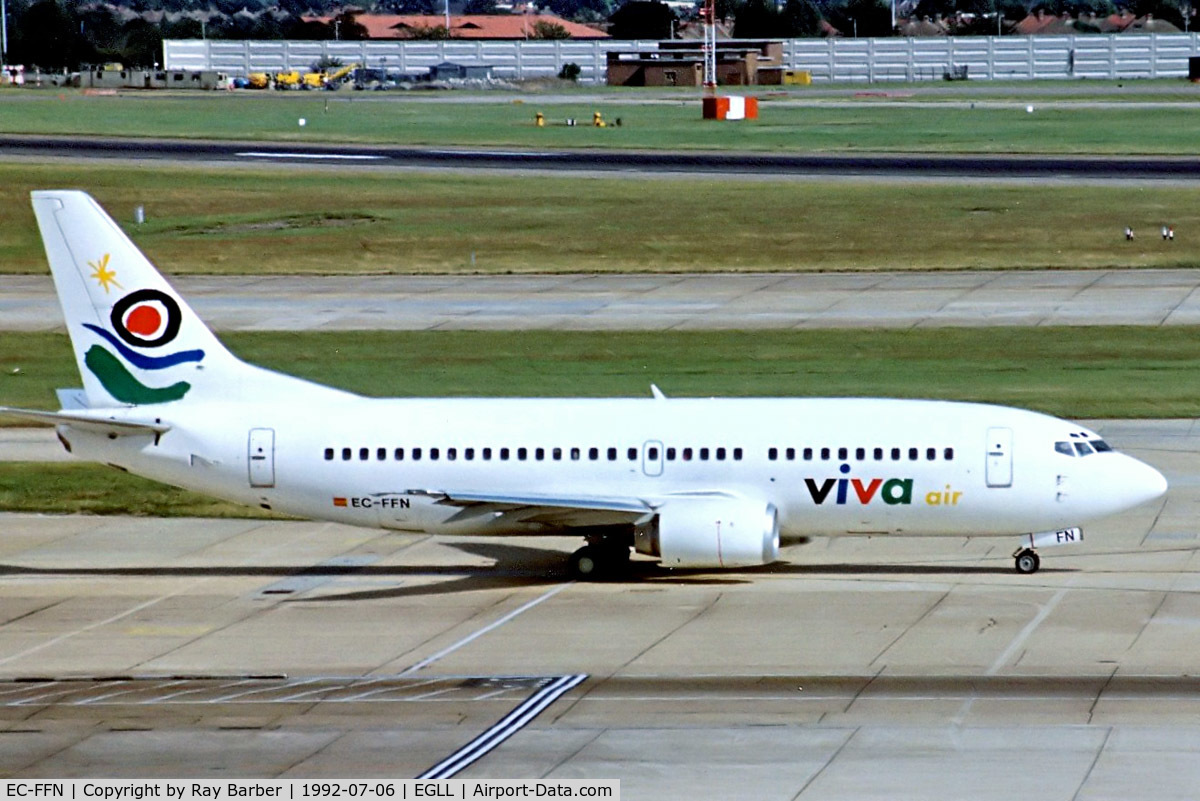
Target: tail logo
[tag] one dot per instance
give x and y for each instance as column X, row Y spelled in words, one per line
column 145, row 318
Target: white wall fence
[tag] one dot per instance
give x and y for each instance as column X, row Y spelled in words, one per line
column 870, row 60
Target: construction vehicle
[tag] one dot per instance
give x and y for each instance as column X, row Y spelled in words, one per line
column 335, row 79
column 259, row 80
column 288, row 80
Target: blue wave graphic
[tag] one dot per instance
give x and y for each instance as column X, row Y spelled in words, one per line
column 143, row 361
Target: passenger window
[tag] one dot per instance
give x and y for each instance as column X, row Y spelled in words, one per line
column 860, row 453
column 364, row 454
column 704, row 454
column 1083, row 448
column 381, row 454
column 737, row 454
column 930, row 454
column 808, row 454
column 720, row 454
column 486, row 453
column 913, row 454
column 687, row 454
column 632, row 454
column 843, row 454
column 539, row 454
column 504, row 454
column 593, row 453
column 575, row 454
column 556, row 454
column 1064, row 448
column 948, row 454
column 1101, row 446
column 468, row 453
column 895, row 454
column 652, row 454
column 416, row 454
column 612, row 454
column 329, row 454
column 399, row 454
column 670, row 454
column 878, row 454
column 434, row 453
column 824, row 454
column 345, row 454
column 521, row 454
column 772, row 453
column 791, row 454
column 452, row 453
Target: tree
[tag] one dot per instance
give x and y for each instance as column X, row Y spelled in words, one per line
column 862, row 18
column 480, row 7
column 47, row 35
column 543, row 29
column 641, row 19
column 310, row 30
column 801, row 18
column 757, row 19
column 142, row 47
column 431, row 32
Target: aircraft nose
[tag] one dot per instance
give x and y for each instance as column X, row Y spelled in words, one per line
column 1142, row 482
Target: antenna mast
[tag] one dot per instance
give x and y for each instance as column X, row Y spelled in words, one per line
column 710, row 47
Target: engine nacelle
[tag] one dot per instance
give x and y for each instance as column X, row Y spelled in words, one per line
column 711, row 532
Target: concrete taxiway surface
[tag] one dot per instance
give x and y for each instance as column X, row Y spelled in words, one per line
column 652, row 302
column 857, row 668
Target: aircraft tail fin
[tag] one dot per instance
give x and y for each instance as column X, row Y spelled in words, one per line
column 137, row 342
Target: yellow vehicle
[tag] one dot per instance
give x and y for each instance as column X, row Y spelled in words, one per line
column 334, row 79
column 313, row 80
column 287, row 80
column 258, row 80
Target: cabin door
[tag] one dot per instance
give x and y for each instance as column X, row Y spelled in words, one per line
column 261, row 457
column 999, row 457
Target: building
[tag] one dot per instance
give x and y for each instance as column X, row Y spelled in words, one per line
column 681, row 63
column 467, row 26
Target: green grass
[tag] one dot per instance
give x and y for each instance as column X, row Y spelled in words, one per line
column 79, row 488
column 255, row 221
column 1071, row 372
column 1059, row 125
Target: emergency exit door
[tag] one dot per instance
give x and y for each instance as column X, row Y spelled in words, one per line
column 261, row 453
column 999, row 457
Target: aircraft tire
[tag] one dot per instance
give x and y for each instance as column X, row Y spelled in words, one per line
column 1027, row 562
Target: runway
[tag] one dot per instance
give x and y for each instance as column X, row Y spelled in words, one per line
column 856, row 668
column 660, row 302
column 1174, row 168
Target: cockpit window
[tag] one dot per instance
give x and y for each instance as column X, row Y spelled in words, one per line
column 1100, row 445
column 1083, row 448
column 1064, row 448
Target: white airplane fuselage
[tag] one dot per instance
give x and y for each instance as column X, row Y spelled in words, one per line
column 839, row 466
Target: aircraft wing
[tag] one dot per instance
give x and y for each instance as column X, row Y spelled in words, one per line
column 563, row 511
column 91, row 421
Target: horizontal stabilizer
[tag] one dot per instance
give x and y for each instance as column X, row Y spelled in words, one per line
column 100, row 421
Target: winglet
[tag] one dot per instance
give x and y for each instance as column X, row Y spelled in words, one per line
column 657, row 393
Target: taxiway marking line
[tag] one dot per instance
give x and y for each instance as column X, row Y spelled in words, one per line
column 504, row 728
column 1025, row 633
column 314, row 156
column 429, row 660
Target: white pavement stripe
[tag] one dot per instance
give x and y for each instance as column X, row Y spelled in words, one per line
column 251, row 154
column 429, row 660
column 506, row 727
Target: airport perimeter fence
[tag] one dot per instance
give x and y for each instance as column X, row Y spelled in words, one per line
column 892, row 59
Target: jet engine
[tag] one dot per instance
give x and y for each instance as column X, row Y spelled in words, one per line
column 711, row 532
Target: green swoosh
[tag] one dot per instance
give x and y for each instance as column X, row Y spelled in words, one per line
column 121, row 384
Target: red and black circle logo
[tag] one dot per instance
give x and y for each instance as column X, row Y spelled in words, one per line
column 146, row 318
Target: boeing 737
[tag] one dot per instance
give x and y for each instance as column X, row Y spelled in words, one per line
column 698, row 483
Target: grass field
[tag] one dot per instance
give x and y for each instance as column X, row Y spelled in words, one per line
column 1070, row 372
column 1058, row 126
column 254, row 221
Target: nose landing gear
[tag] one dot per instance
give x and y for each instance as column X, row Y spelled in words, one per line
column 1027, row 561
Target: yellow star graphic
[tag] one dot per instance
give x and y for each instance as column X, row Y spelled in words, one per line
column 104, row 275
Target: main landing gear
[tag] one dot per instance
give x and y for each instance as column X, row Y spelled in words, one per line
column 602, row 559
column 1027, row 561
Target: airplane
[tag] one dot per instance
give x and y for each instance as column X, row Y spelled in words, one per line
column 695, row 482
